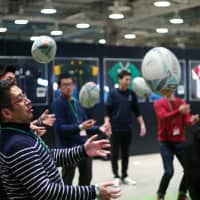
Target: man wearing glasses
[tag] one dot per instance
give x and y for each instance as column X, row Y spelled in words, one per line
column 7, row 72
column 28, row 167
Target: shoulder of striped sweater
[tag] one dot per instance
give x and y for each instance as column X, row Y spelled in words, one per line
column 13, row 143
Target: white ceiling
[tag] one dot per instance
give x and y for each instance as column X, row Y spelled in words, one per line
column 141, row 18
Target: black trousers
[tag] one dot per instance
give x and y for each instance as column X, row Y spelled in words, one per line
column 85, row 172
column 192, row 162
column 120, row 142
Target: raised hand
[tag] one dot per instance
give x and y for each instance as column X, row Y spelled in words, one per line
column 88, row 124
column 184, row 108
column 40, row 130
column 47, row 119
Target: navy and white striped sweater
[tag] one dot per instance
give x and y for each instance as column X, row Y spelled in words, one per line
column 28, row 170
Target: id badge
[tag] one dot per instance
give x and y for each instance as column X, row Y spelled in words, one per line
column 176, row 131
column 83, row 133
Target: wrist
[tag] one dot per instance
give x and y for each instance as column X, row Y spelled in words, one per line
column 107, row 119
column 81, row 127
column 97, row 190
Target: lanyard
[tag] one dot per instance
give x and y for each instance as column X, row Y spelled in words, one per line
column 34, row 136
column 74, row 109
column 171, row 109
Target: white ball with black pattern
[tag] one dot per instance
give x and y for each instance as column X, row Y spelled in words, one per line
column 89, row 95
column 44, row 49
column 161, row 69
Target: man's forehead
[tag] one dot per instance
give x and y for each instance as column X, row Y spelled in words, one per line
column 67, row 80
column 15, row 90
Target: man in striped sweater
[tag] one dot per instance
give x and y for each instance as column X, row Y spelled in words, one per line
column 28, row 167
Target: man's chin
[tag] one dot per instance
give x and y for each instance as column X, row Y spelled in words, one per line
column 30, row 118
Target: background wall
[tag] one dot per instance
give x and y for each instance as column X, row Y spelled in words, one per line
column 148, row 144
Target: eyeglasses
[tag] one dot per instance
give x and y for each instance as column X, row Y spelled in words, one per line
column 66, row 84
column 20, row 99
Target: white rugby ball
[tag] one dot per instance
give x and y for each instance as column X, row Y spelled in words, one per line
column 140, row 87
column 44, row 49
column 161, row 69
column 89, row 95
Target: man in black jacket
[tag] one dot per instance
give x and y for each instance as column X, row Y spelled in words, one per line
column 120, row 107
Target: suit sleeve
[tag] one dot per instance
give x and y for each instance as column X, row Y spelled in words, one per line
column 61, row 125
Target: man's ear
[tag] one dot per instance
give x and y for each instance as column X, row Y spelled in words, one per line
column 6, row 113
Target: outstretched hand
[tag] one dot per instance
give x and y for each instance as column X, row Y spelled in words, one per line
column 95, row 147
column 108, row 191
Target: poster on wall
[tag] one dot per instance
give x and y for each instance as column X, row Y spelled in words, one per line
column 112, row 67
column 181, row 88
column 31, row 77
column 194, row 80
column 82, row 70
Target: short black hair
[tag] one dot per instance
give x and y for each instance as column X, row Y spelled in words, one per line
column 5, row 101
column 64, row 76
column 123, row 73
column 7, row 68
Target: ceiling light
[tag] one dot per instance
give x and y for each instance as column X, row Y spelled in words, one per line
column 33, row 38
column 3, row 29
column 21, row 21
column 48, row 11
column 129, row 36
column 116, row 16
column 48, row 8
column 162, row 3
column 176, row 20
column 82, row 25
column 56, row 32
column 162, row 30
column 102, row 41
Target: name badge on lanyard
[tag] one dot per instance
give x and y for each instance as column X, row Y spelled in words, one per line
column 176, row 131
